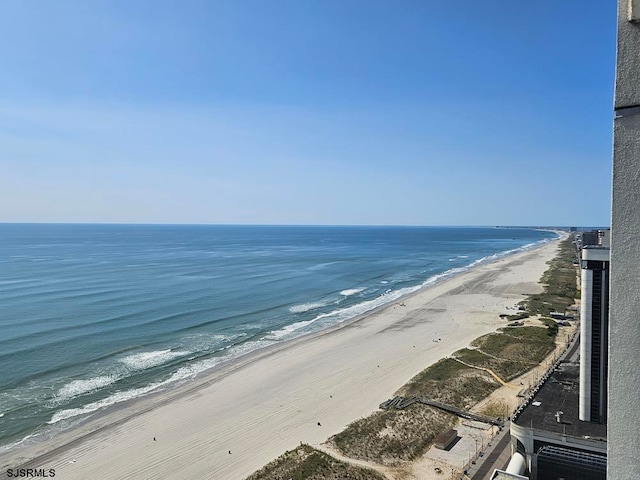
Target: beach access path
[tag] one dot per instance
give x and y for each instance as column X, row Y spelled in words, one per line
column 232, row 421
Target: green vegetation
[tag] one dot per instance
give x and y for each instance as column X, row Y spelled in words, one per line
column 520, row 345
column 393, row 436
column 306, row 463
column 511, row 351
column 515, row 317
column 390, row 437
column 559, row 281
column 552, row 326
column 548, row 321
column 496, row 409
column 505, row 369
column 449, row 381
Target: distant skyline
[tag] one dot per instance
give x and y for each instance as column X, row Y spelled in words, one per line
column 307, row 112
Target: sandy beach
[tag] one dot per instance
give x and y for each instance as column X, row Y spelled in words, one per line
column 232, row 421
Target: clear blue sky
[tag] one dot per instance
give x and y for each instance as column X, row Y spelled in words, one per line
column 307, row 112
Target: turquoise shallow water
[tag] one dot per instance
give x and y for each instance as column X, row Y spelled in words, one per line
column 94, row 315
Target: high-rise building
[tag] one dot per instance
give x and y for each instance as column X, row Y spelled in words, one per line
column 594, row 330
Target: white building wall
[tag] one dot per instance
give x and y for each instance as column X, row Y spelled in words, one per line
column 586, row 297
column 624, row 327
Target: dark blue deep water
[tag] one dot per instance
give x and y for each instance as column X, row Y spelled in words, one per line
column 94, row 315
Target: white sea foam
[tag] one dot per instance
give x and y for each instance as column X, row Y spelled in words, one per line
column 391, row 295
column 138, row 361
column 183, row 373
column 479, row 261
column 346, row 313
column 105, row 402
column 351, row 291
column 208, row 342
column 10, row 446
column 188, row 371
column 305, row 307
column 141, row 361
column 191, row 370
column 248, row 347
column 284, row 331
column 80, row 387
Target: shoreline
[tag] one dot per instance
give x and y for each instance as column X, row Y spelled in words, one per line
column 165, row 392
column 90, row 432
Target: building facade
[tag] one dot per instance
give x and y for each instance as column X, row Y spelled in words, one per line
column 594, row 332
column 624, row 325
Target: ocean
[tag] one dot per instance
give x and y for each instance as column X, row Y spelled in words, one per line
column 96, row 315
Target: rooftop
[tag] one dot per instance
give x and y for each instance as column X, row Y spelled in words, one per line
column 560, row 393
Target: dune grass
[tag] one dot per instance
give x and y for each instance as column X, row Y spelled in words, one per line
column 505, row 369
column 525, row 345
column 559, row 282
column 451, row 382
column 390, row 437
column 306, row 463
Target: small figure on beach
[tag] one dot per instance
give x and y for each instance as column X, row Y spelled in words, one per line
column 229, row 452
column 154, row 439
column 319, row 424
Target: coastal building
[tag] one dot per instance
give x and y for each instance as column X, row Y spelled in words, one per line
column 594, row 331
column 600, row 238
column 561, row 431
column 548, row 439
column 589, row 238
column 624, row 334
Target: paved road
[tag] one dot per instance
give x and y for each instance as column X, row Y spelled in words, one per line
column 498, row 457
